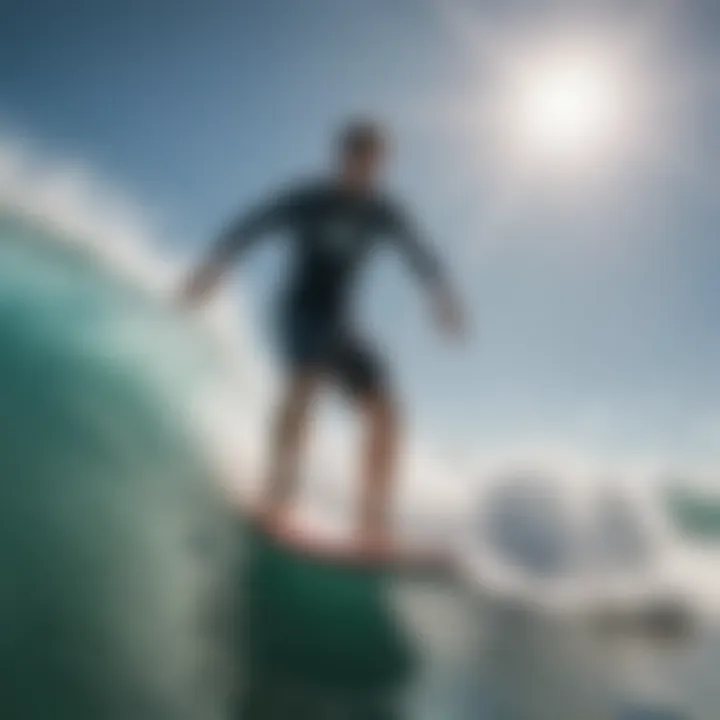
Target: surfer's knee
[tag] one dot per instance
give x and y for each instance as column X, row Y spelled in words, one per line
column 298, row 397
column 382, row 409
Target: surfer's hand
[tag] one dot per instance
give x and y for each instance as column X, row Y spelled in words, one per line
column 185, row 301
column 449, row 314
column 198, row 285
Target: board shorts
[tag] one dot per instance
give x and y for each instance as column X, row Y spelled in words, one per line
column 314, row 342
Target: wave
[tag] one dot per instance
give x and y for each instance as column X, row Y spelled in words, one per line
column 79, row 272
column 114, row 542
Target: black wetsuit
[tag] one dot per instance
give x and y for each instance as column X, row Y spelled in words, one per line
column 332, row 234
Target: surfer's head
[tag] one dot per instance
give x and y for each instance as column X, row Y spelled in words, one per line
column 362, row 147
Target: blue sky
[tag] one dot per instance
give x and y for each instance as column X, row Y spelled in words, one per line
column 595, row 311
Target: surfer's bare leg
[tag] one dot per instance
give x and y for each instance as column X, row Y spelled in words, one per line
column 290, row 430
column 379, row 465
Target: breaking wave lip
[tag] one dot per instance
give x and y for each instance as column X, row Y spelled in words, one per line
column 70, row 205
column 73, row 207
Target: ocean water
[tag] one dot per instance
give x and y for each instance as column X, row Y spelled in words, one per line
column 133, row 590
column 115, row 543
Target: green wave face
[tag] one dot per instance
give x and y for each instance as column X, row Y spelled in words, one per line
column 114, row 545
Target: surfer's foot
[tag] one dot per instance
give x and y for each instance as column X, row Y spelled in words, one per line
column 279, row 523
column 275, row 520
column 268, row 518
column 376, row 545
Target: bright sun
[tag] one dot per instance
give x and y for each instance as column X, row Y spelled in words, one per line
column 567, row 106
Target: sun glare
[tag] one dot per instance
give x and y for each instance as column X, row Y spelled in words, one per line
column 568, row 106
column 571, row 108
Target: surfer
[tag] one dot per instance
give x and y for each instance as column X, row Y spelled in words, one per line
column 333, row 225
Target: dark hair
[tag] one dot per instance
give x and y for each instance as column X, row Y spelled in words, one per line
column 361, row 136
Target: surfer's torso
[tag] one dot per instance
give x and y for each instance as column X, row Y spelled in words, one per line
column 332, row 232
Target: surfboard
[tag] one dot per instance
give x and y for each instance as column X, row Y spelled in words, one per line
column 351, row 552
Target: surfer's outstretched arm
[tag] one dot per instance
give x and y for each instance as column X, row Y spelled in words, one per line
column 237, row 237
column 426, row 265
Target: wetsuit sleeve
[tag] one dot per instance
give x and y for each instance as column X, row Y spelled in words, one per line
column 245, row 230
column 237, row 237
column 426, row 264
column 414, row 249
